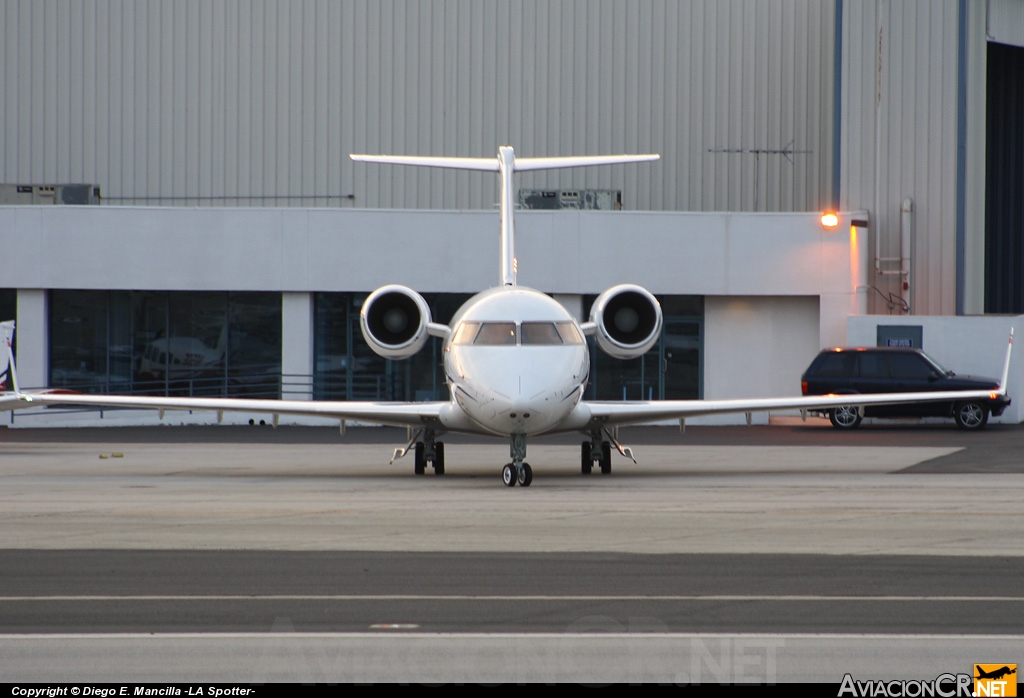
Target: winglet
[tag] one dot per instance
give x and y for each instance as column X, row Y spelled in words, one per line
column 1006, row 367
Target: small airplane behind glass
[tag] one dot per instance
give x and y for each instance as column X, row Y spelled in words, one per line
column 516, row 360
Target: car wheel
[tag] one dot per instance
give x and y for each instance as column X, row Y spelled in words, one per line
column 970, row 415
column 845, row 417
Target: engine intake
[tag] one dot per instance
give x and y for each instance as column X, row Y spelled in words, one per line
column 628, row 320
column 394, row 321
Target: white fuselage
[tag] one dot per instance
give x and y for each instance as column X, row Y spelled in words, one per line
column 516, row 361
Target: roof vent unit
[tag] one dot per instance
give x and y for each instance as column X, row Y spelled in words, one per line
column 49, row 194
column 589, row 199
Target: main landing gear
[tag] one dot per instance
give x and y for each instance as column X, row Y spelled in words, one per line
column 517, row 471
column 599, row 450
column 426, row 449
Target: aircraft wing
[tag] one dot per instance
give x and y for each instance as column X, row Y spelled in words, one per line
column 612, row 414
column 598, row 414
column 400, row 414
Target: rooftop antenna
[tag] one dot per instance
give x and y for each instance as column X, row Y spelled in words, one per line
column 785, row 151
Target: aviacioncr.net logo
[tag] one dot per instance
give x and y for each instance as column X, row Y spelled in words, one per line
column 995, row 680
column 943, row 686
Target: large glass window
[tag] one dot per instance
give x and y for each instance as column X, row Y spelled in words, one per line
column 9, row 311
column 672, row 370
column 166, row 343
column 8, row 304
column 347, row 369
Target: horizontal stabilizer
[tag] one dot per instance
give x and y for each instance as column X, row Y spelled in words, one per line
column 525, row 164
column 486, row 164
column 519, row 164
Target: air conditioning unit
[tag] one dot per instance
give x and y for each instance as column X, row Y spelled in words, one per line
column 590, row 199
column 49, row 194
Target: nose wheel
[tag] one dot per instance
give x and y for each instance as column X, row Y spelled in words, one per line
column 512, row 475
column 517, row 471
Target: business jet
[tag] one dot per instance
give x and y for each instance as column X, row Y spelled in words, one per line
column 516, row 360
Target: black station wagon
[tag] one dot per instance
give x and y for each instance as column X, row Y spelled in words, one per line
column 896, row 370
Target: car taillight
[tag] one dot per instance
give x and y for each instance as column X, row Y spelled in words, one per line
column 803, row 387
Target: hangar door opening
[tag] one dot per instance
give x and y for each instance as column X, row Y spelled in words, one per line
column 1004, row 181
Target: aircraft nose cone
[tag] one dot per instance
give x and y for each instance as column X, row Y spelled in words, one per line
column 522, row 389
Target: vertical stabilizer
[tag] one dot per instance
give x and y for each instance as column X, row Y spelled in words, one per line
column 506, row 165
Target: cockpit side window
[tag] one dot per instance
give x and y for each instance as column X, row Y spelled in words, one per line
column 569, row 332
column 496, row 334
column 466, row 333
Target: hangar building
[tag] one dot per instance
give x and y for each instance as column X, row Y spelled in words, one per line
column 179, row 214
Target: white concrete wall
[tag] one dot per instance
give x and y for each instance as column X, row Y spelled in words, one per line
column 778, row 287
column 308, row 250
column 757, row 346
column 967, row 345
column 296, row 346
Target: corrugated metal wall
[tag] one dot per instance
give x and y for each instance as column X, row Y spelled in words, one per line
column 259, row 102
column 899, row 138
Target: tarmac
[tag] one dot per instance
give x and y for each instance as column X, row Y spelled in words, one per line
column 727, row 554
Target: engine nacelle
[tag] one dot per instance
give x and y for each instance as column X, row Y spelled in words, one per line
column 394, row 320
column 628, row 320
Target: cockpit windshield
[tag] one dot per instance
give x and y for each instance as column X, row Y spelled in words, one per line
column 510, row 334
column 540, row 333
column 496, row 334
column 486, row 333
column 548, row 333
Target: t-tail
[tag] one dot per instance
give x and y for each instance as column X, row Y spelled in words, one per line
column 506, row 164
column 8, row 376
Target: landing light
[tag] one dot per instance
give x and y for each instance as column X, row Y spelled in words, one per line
column 829, row 219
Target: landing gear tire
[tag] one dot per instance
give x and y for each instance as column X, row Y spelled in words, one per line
column 439, row 458
column 845, row 417
column 525, row 475
column 419, row 460
column 586, row 458
column 970, row 415
column 606, row 458
column 509, row 475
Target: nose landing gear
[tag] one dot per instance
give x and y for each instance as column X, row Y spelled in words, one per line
column 511, row 474
column 517, row 471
